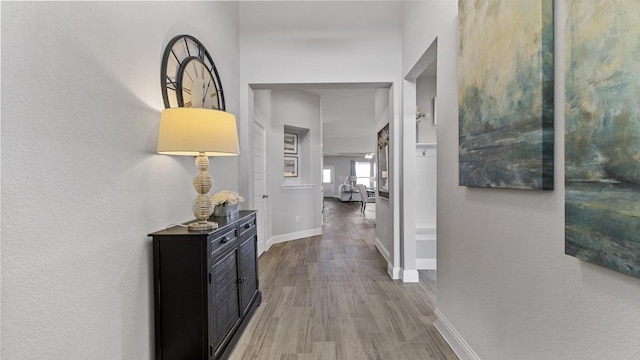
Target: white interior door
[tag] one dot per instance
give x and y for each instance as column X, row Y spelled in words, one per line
column 329, row 181
column 260, row 196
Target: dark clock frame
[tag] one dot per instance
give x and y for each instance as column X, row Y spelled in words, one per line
column 169, row 77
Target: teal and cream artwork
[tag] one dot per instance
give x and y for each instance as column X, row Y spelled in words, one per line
column 505, row 97
column 602, row 133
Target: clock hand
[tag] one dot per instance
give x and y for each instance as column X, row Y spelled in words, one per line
column 204, row 94
column 204, row 87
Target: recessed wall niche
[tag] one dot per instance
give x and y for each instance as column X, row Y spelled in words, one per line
column 296, row 155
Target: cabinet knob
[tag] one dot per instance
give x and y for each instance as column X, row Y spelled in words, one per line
column 247, row 225
column 225, row 239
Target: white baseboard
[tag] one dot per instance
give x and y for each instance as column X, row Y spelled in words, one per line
column 293, row 236
column 453, row 338
column 383, row 250
column 425, row 228
column 425, row 232
column 426, row 237
column 410, row 276
column 426, row 264
column 394, row 272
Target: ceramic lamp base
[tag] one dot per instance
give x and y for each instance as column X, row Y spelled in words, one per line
column 202, row 205
column 203, row 225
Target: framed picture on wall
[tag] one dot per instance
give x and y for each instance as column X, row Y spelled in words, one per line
column 290, row 143
column 290, row 166
column 382, row 157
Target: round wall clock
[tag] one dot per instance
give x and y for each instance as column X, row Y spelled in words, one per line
column 189, row 77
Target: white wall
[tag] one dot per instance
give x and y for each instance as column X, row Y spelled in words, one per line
column 425, row 92
column 347, row 121
column 504, row 283
column 386, row 223
column 82, row 185
column 295, row 210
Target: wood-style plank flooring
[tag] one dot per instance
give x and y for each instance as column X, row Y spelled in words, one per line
column 329, row 297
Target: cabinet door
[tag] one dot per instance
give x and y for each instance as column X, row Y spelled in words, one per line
column 224, row 299
column 248, row 272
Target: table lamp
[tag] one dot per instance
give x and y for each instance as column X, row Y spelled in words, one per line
column 201, row 133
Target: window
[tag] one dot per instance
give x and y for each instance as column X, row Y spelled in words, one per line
column 326, row 176
column 364, row 173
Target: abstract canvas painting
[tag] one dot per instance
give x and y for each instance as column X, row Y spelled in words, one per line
column 602, row 133
column 505, row 97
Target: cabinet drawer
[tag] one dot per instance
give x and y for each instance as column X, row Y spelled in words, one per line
column 219, row 243
column 247, row 226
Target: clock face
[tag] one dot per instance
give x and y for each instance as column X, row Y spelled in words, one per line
column 189, row 77
column 196, row 87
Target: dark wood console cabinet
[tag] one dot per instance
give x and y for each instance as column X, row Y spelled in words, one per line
column 206, row 287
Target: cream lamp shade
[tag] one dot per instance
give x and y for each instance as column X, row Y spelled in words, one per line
column 190, row 131
column 201, row 133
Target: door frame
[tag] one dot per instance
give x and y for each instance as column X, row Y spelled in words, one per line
column 263, row 238
column 333, row 179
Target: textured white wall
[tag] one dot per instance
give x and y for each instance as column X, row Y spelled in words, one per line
column 81, row 183
column 302, row 110
column 425, row 91
column 504, row 282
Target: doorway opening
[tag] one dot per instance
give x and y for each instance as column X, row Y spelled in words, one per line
column 335, row 154
column 422, row 168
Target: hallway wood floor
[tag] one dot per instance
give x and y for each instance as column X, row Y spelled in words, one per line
column 329, row 297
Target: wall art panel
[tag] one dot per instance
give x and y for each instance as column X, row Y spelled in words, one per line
column 505, row 76
column 602, row 133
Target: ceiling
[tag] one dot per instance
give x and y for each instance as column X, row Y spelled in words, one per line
column 308, row 17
